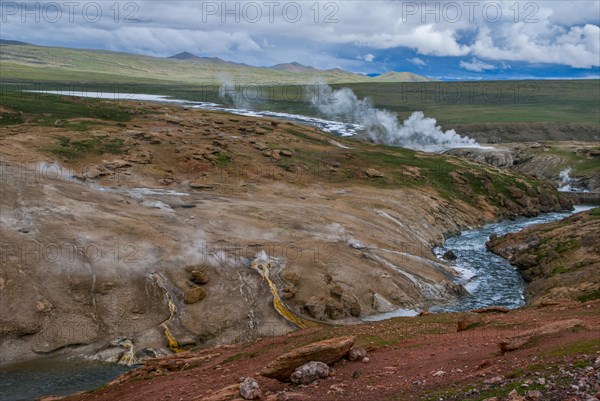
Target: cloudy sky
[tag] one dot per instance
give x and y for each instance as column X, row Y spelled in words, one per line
column 442, row 39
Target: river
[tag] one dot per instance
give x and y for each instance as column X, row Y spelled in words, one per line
column 489, row 279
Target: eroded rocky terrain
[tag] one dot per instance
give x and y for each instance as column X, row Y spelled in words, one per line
column 136, row 238
column 560, row 260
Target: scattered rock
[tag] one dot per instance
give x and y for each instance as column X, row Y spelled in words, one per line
column 533, row 395
column 449, row 255
column 199, row 276
column 327, row 351
column 468, row 322
column 43, row 306
column 194, row 295
column 250, row 389
column 201, row 185
column 372, row 173
column 514, row 396
column 490, row 309
column 525, row 337
column 336, row 291
column 286, row 153
column 225, row 394
column 288, row 292
column 117, row 164
column 357, row 354
column 290, row 276
column 309, row 372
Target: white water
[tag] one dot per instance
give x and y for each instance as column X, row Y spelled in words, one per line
column 490, row 279
column 566, row 182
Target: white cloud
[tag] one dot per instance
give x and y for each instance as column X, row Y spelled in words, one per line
column 577, row 47
column 565, row 33
column 417, row 61
column 476, row 65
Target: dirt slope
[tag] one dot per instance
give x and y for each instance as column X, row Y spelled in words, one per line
column 422, row 358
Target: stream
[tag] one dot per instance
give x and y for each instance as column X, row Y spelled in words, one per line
column 489, row 279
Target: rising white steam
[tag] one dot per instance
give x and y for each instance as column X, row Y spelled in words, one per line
column 565, row 180
column 567, row 184
column 382, row 126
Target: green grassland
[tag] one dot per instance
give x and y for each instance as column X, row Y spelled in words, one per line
column 41, row 63
column 401, row 167
column 451, row 103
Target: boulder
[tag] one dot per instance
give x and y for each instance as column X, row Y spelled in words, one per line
column 372, row 173
column 288, row 292
column 336, row 291
column 250, row 390
column 449, row 255
column 199, row 276
column 317, row 307
column 326, row 351
column 309, row 372
column 352, row 306
column 382, row 305
column 290, row 276
column 514, row 343
column 194, row 295
column 323, row 308
column 357, row 354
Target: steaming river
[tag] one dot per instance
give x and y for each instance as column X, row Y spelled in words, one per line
column 489, row 279
column 434, row 141
column 333, row 127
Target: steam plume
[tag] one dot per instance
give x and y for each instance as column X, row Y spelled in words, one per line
column 382, row 126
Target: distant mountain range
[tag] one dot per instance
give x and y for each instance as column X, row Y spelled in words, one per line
column 21, row 60
column 293, row 67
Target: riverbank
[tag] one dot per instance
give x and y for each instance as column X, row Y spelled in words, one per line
column 128, row 225
column 560, row 260
column 420, row 358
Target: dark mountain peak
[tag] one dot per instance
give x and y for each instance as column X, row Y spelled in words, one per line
column 13, row 42
column 184, row 56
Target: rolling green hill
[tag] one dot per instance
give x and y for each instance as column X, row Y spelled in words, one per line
column 41, row 63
